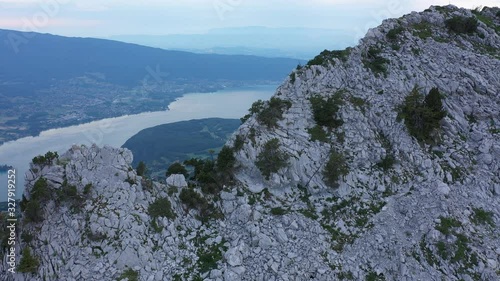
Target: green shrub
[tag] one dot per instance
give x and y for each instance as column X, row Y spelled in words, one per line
column 225, row 160
column 27, row 237
column 255, row 108
column 358, row 102
column 447, row 224
column 238, row 143
column 460, row 24
column 67, row 193
column 87, row 189
column 28, row 262
column 481, row 216
column 191, row 198
column 161, row 207
column 206, row 176
column 273, row 112
column 208, row 258
column 271, row 159
column 278, row 211
column 373, row 276
column 40, row 191
column 374, row 61
column 292, row 77
column 326, row 57
column 335, row 168
column 422, row 30
column 194, row 200
column 442, row 250
column 45, row 160
column 141, row 169
column 177, row 168
column 394, row 33
column 325, row 111
column 387, row 163
column 130, row 274
column 317, row 133
column 422, row 116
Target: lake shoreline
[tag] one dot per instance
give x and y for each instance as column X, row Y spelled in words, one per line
column 116, row 131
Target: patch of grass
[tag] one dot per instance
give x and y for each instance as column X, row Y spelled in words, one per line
column 486, row 20
column 442, row 250
column 480, row 216
column 130, row 274
column 358, row 102
column 345, row 276
column 208, row 257
column 427, row 252
column 326, row 57
column 447, row 224
column 394, row 33
column 309, row 214
column 373, row 276
column 278, row 211
column 461, row 248
column 373, row 61
column 422, row 30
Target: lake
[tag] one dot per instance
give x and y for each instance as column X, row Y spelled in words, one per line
column 229, row 103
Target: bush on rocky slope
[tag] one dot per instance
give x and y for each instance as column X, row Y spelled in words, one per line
column 28, row 262
column 325, row 111
column 271, row 159
column 422, row 115
column 460, row 24
column 335, row 168
column 273, row 112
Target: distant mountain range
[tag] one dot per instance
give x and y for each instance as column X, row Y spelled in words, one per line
column 302, row 43
column 61, row 81
column 35, row 58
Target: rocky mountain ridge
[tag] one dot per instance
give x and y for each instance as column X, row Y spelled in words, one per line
column 336, row 192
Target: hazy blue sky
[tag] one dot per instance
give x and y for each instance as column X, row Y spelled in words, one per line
column 112, row 17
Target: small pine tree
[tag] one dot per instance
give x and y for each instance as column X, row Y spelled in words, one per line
column 141, row 169
column 271, row 159
column 225, row 160
column 177, row 168
column 423, row 115
column 28, row 263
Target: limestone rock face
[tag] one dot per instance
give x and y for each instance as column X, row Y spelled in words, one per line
column 432, row 213
column 177, row 181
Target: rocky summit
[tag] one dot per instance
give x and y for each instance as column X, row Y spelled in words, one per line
column 378, row 162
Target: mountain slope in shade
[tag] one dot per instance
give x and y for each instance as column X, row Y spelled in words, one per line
column 162, row 145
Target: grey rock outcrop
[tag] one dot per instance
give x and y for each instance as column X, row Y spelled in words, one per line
column 433, row 214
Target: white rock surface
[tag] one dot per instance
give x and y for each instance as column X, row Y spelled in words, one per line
column 389, row 223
